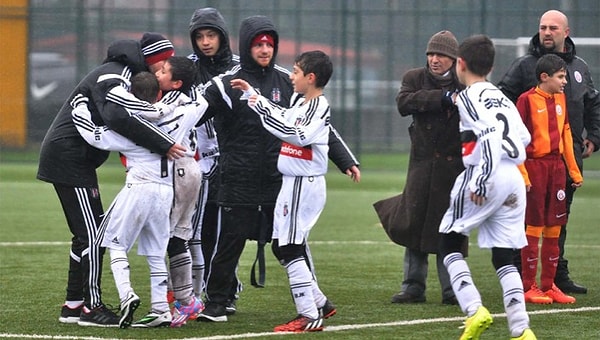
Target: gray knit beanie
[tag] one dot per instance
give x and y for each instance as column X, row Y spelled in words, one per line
column 443, row 42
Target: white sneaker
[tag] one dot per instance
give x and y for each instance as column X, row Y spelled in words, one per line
column 154, row 320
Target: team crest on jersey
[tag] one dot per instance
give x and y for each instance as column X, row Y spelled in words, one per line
column 559, row 110
column 95, row 193
column 285, row 210
column 560, row 195
column 578, row 76
column 275, row 95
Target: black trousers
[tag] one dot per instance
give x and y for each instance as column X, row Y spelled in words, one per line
column 236, row 225
column 83, row 210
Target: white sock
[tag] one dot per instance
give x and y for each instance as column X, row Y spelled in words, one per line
column 180, row 269
column 318, row 295
column 514, row 299
column 462, row 283
column 301, row 280
column 73, row 304
column 158, row 283
column 119, row 265
column 198, row 266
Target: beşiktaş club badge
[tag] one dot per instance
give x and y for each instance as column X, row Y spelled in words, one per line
column 275, row 95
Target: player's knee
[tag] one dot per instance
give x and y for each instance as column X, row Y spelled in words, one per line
column 502, row 257
column 287, row 253
column 176, row 246
column 450, row 243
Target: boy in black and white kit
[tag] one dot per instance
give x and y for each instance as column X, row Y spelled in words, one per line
column 489, row 194
column 304, row 130
column 146, row 198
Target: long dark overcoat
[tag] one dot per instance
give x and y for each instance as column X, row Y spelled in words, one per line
column 412, row 218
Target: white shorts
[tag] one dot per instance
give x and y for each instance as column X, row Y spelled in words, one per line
column 501, row 218
column 139, row 210
column 187, row 180
column 298, row 207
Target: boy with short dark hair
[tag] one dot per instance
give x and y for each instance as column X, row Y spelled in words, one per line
column 304, row 130
column 489, row 194
column 178, row 74
column 147, row 198
column 544, row 111
column 144, row 86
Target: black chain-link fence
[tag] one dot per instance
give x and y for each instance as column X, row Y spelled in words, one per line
column 372, row 43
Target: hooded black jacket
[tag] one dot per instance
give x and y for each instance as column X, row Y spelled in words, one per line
column 249, row 175
column 248, row 160
column 65, row 157
column 208, row 67
column 583, row 100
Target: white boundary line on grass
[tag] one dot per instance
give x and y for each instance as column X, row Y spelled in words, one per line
column 63, row 243
column 327, row 329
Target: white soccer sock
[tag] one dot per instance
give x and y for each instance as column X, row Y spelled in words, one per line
column 158, row 283
column 301, row 280
column 119, row 265
column 198, row 266
column 318, row 295
column 514, row 299
column 462, row 283
column 74, row 304
column 180, row 268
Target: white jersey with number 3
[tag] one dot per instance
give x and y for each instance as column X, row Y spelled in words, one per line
column 494, row 139
column 492, row 130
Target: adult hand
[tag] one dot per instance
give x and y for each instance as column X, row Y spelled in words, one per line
column 176, row 151
column 588, row 148
column 354, row 173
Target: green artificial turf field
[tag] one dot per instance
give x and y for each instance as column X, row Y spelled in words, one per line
column 358, row 268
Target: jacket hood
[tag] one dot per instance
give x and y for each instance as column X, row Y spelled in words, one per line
column 211, row 18
column 249, row 28
column 537, row 50
column 128, row 53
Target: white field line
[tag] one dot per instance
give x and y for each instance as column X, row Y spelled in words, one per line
column 377, row 243
column 327, row 329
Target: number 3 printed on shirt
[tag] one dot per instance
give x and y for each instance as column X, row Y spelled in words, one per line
column 507, row 143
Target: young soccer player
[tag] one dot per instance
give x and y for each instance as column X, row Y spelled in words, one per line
column 177, row 74
column 489, row 194
column 544, row 112
column 146, row 198
column 304, row 130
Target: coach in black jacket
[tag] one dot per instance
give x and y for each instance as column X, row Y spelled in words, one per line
column 69, row 163
column 249, row 177
column 583, row 107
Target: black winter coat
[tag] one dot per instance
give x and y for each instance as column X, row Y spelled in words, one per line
column 248, row 161
column 208, row 67
column 65, row 157
column 583, row 100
